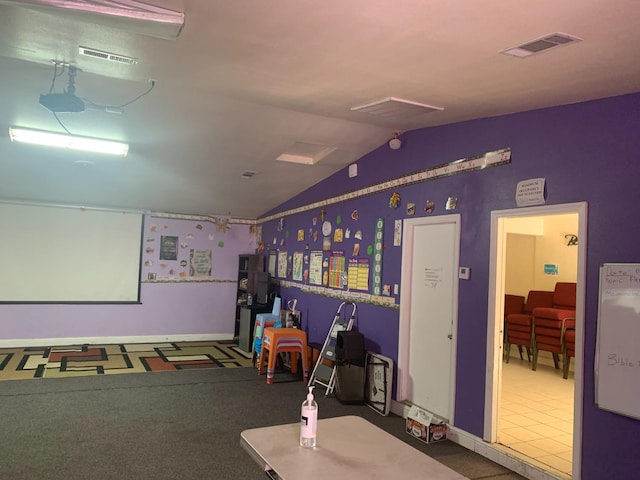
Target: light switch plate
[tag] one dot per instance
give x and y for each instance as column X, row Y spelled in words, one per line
column 464, row 273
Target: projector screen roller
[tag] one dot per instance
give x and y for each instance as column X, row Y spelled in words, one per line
column 54, row 254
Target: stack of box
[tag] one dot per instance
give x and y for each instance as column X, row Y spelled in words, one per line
column 425, row 426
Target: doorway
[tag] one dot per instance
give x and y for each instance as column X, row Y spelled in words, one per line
column 428, row 313
column 497, row 374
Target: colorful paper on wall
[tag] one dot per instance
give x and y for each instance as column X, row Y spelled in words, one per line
column 315, row 267
column 297, row 266
column 358, row 274
column 337, row 269
column 282, row 264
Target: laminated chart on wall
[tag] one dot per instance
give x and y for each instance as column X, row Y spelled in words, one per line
column 337, row 269
column 273, row 257
column 377, row 256
column 282, row 264
column 358, row 274
column 315, row 267
column 297, row 266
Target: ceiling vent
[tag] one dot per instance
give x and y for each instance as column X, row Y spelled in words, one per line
column 395, row 107
column 541, row 45
column 248, row 174
column 305, row 153
column 110, row 57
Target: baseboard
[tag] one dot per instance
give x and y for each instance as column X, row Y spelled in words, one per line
column 54, row 342
column 499, row 454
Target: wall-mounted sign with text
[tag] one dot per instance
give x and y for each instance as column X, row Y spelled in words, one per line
column 530, row 192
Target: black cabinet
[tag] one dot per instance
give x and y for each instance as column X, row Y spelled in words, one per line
column 247, row 325
column 249, row 266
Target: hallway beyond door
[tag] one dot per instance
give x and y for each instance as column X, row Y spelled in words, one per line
column 536, row 412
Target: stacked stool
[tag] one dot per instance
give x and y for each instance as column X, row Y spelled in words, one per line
column 280, row 340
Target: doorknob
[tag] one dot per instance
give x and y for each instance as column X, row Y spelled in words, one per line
column 450, row 337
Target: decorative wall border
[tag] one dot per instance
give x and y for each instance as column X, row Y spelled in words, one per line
column 463, row 165
column 347, row 295
column 202, row 218
column 187, row 280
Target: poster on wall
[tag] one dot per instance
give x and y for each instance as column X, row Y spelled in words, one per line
column 297, row 266
column 315, row 267
column 358, row 274
column 168, row 248
column 337, row 271
column 200, row 263
column 272, row 263
column 282, row 264
column 377, row 257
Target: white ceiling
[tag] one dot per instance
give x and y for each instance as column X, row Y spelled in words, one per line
column 246, row 80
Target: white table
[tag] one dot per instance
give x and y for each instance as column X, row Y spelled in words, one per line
column 349, row 447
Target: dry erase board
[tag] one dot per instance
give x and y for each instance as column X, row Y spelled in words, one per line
column 617, row 366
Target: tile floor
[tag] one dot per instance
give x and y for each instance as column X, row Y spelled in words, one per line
column 536, row 411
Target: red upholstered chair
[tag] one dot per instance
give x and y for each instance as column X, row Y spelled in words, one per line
column 569, row 349
column 520, row 325
column 550, row 322
column 512, row 304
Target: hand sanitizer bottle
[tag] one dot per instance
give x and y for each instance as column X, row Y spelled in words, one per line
column 308, row 421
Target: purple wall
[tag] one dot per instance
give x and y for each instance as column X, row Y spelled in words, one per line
column 170, row 309
column 587, row 152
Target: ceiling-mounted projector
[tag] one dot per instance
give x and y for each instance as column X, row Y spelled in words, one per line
column 62, row 103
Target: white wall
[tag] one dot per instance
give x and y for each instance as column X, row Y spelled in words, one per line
column 527, row 253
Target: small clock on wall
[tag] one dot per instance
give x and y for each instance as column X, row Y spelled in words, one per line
column 326, row 228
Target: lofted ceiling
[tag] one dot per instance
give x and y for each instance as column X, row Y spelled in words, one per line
column 242, row 82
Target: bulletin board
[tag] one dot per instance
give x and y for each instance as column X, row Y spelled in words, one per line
column 617, row 366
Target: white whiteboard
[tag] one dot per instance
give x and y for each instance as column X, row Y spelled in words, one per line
column 617, row 366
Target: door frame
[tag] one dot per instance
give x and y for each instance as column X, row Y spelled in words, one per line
column 496, row 314
column 409, row 226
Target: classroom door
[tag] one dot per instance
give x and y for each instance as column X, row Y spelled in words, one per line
column 428, row 313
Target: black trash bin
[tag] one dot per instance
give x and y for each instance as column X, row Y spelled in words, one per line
column 350, row 367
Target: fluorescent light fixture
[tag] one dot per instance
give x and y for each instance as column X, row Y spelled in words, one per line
column 72, row 142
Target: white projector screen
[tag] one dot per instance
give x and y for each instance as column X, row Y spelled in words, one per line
column 54, row 254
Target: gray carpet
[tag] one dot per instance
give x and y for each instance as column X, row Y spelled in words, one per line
column 168, row 425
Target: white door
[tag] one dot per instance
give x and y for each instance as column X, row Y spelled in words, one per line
column 428, row 313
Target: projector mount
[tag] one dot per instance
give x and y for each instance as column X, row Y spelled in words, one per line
column 66, row 102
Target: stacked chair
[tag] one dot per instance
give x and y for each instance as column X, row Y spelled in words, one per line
column 569, row 349
column 512, row 304
column 520, row 325
column 551, row 323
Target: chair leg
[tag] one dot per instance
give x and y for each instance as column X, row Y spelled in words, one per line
column 261, row 361
column 556, row 360
column 507, row 350
column 529, row 354
column 271, row 365
column 520, row 351
column 565, row 366
column 534, row 366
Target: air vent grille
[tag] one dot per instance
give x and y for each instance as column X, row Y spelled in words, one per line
column 541, row 45
column 395, row 107
column 110, row 57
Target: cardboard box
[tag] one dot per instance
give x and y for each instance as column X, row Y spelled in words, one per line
column 425, row 426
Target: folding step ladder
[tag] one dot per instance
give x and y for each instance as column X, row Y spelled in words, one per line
column 324, row 374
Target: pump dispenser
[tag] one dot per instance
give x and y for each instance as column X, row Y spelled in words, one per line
column 308, row 421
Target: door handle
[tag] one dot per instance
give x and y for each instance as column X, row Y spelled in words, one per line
column 450, row 337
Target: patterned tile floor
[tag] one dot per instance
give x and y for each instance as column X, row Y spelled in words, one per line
column 81, row 360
